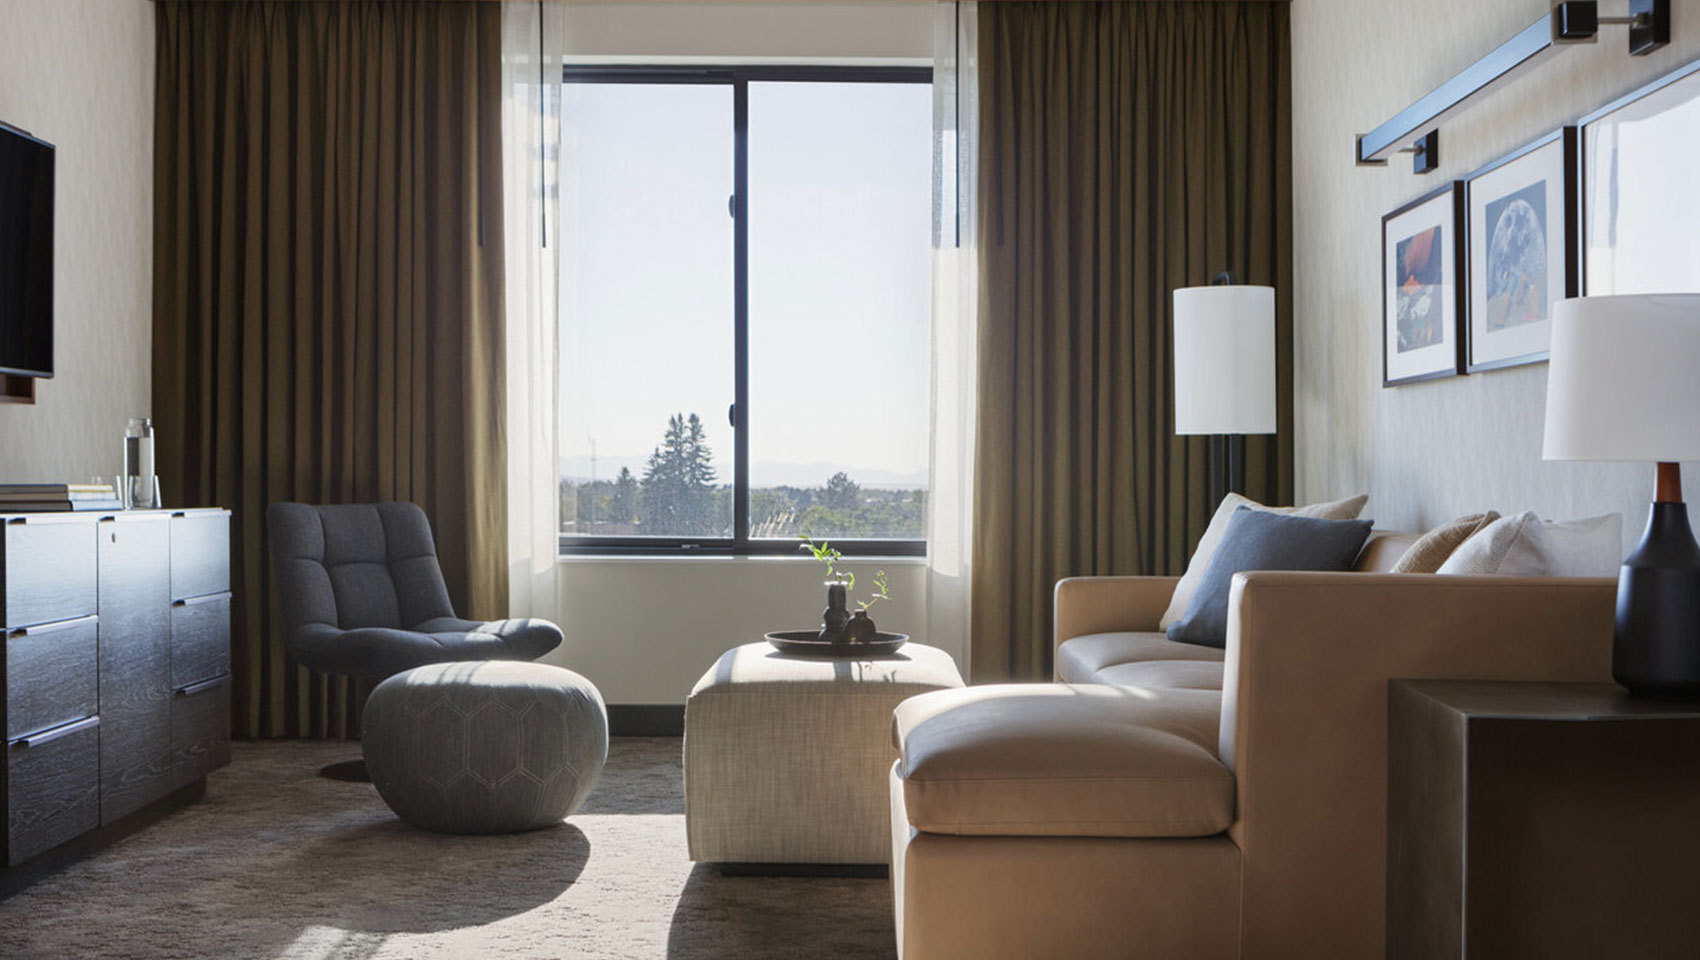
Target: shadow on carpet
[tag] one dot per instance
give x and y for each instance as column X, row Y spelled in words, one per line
column 279, row 863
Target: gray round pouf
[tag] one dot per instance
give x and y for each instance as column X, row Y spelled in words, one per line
column 487, row 747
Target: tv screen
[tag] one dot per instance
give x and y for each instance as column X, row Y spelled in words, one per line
column 26, row 254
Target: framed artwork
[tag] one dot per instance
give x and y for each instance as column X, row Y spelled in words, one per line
column 1640, row 194
column 1521, row 248
column 1422, row 289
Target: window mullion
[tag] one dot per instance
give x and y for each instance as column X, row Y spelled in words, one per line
column 741, row 313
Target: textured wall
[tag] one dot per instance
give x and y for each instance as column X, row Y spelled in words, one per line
column 80, row 74
column 1430, row 451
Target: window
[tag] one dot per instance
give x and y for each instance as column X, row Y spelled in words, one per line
column 745, row 308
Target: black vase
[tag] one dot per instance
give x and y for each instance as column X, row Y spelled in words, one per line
column 1656, row 648
column 862, row 629
column 836, row 617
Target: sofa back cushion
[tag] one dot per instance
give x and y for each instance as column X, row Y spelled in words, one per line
column 1346, row 509
column 1259, row 540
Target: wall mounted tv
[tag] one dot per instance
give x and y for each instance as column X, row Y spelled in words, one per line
column 26, row 254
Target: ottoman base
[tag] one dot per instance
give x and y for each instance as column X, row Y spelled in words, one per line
column 486, row 747
column 786, row 757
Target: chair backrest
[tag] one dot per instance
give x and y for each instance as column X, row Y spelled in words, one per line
column 355, row 565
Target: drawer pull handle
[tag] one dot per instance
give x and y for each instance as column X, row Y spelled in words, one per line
column 48, row 736
column 202, row 687
column 207, row 598
column 53, row 627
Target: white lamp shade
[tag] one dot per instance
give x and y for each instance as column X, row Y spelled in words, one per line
column 1624, row 380
column 1224, row 359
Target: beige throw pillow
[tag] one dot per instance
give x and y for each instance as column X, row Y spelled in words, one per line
column 1525, row 546
column 1347, row 509
column 1433, row 547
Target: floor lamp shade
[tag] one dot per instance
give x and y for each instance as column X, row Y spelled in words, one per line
column 1624, row 379
column 1624, row 384
column 1224, row 360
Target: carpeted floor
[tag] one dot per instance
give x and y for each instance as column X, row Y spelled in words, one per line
column 279, row 863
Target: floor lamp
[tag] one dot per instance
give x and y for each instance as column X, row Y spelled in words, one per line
column 1225, row 372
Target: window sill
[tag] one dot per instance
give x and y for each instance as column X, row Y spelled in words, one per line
column 606, row 559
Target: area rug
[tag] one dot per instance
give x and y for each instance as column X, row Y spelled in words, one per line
column 277, row 862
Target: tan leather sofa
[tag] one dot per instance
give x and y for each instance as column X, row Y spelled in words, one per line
column 1166, row 800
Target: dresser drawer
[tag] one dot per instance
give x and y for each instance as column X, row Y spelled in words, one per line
column 49, row 570
column 200, row 729
column 200, row 638
column 53, row 788
column 200, row 553
column 51, row 675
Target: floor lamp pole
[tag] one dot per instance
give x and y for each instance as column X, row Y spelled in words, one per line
column 1227, row 466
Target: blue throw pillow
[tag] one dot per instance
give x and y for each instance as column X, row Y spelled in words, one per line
column 1260, row 540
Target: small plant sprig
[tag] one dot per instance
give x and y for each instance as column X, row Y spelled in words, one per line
column 826, row 553
column 879, row 593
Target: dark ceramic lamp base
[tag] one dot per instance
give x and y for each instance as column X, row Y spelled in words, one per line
column 1656, row 649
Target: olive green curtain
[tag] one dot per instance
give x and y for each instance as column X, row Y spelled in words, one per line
column 1126, row 149
column 327, row 294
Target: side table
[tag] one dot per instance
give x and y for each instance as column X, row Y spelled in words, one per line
column 1544, row 820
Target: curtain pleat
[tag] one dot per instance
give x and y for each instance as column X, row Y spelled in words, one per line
column 328, row 316
column 1127, row 149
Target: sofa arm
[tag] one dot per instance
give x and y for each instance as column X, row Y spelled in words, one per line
column 1304, row 718
column 1110, row 605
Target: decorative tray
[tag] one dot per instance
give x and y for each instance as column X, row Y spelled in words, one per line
column 807, row 643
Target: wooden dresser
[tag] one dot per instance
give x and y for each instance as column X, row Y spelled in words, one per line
column 117, row 674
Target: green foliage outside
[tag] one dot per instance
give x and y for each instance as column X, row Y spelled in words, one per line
column 679, row 496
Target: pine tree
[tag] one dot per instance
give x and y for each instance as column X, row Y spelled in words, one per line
column 842, row 493
column 678, row 483
column 623, row 507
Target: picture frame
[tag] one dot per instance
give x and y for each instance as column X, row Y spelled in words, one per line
column 1640, row 199
column 1422, row 282
column 1521, row 245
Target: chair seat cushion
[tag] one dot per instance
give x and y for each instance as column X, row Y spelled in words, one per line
column 1078, row 659
column 1086, row 760
column 379, row 652
column 1163, row 675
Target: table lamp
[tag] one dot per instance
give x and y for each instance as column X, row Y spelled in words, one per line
column 1225, row 372
column 1624, row 384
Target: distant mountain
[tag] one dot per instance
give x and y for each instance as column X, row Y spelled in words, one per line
column 766, row 473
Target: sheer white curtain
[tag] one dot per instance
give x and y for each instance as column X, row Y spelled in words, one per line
column 950, row 502
column 533, row 39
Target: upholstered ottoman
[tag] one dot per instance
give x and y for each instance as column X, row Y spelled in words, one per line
column 485, row 747
column 786, row 758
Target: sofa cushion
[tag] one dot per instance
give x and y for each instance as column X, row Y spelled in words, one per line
column 1080, row 658
column 1429, row 552
column 1337, row 510
column 1085, row 760
column 1164, row 675
column 1257, row 540
column 1523, row 545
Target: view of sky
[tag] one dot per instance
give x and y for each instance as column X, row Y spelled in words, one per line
column 840, row 286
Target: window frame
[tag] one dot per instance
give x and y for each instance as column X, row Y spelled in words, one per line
column 738, row 77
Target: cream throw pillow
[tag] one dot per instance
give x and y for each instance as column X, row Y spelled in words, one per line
column 1432, row 549
column 1347, row 509
column 1524, row 546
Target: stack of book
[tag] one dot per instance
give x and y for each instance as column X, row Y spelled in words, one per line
column 57, row 497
